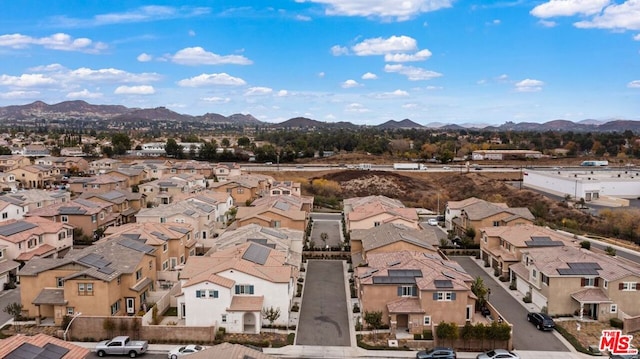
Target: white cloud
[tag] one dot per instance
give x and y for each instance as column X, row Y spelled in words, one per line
column 356, row 107
column 502, row 78
column 412, row 73
column 624, row 16
column 634, row 84
column 59, row 41
column 13, row 95
column 321, row 74
column 330, row 117
column 191, row 33
column 418, row 56
column 199, row 56
column 282, row 93
column 338, row 50
column 258, row 91
column 135, row 90
column 144, row 57
column 350, row 84
column 409, row 105
column 27, row 80
column 637, row 37
column 217, row 99
column 212, row 80
column 109, row 75
column 369, row 76
column 555, row 8
column 381, row 46
column 547, row 23
column 141, row 14
column 529, row 85
column 84, row 94
column 303, row 18
column 393, row 94
column 399, row 9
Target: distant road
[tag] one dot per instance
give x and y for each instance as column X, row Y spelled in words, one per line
column 386, row 167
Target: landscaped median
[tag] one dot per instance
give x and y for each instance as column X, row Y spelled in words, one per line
column 588, row 335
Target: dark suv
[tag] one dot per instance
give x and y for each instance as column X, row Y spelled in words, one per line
column 437, row 352
column 541, row 321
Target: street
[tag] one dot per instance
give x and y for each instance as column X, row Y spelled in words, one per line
column 7, row 297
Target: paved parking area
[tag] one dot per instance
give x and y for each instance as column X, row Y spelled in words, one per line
column 331, row 228
column 324, row 316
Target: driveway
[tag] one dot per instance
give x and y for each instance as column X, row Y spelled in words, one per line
column 7, row 297
column 525, row 335
column 331, row 228
column 324, row 314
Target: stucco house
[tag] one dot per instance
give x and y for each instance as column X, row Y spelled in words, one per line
column 34, row 199
column 98, row 184
column 415, row 290
column 231, row 287
column 275, row 215
column 303, row 203
column 575, row 281
column 9, row 162
column 123, row 203
column 34, row 237
column 372, row 211
column 11, row 209
column 244, row 189
column 224, row 170
column 35, row 176
column 482, row 214
column 86, row 215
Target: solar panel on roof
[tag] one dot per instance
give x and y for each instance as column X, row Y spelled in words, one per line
column 394, row 280
column 262, row 241
column 281, row 206
column 395, row 263
column 135, row 245
column 273, row 232
column 577, row 271
column 112, row 195
column 448, row 274
column 15, row 227
column 30, row 351
column 160, row 236
column 87, row 203
column 179, row 229
column 256, row 254
column 135, row 236
column 90, row 259
column 72, row 210
column 439, row 283
column 584, row 265
column 405, row 273
column 189, row 212
column 106, row 270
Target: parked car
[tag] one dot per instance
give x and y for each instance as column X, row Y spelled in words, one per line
column 541, row 321
column 437, row 352
column 623, row 356
column 432, row 222
column 498, row 354
column 122, row 345
column 183, row 350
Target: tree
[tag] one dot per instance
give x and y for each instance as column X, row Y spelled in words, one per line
column 14, row 309
column 271, row 314
column 244, row 141
column 225, row 142
column 4, row 150
column 446, row 331
column 467, row 333
column 173, row 149
column 610, row 251
column 121, row 143
column 324, row 236
column 480, row 290
column 374, row 320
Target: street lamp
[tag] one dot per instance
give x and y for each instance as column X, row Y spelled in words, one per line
column 64, row 335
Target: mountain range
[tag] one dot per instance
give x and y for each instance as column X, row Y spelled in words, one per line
column 84, row 110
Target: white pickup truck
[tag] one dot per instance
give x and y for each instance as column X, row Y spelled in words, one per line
column 122, row 345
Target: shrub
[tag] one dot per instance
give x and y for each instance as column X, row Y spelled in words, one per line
column 356, row 308
column 527, row 298
column 513, row 286
column 290, row 338
column 571, row 339
column 585, row 244
column 616, row 323
column 504, row 278
column 295, row 308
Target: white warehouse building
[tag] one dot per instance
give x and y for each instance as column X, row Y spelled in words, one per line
column 588, row 184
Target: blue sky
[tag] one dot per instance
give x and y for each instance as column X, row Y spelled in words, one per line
column 363, row 61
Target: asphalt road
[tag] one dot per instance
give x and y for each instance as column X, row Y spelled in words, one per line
column 324, row 314
column 145, row 356
column 331, row 228
column 7, row 297
column 525, row 335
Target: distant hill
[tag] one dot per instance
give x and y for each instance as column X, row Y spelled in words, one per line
column 78, row 109
column 404, row 124
column 307, row 123
column 158, row 113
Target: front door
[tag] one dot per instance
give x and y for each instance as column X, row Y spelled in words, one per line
column 130, row 304
column 403, row 320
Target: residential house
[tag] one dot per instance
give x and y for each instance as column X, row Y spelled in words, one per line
column 231, row 287
column 244, row 189
column 72, row 152
column 285, row 240
column 106, row 279
column 415, row 290
column 97, row 184
column 126, row 204
column 201, row 216
column 35, row 150
column 392, row 237
column 10, row 162
column 88, row 216
column 36, row 176
column 574, row 281
column 40, row 346
column 66, row 165
column 373, row 211
column 274, row 215
column 224, row 170
column 103, row 165
column 454, row 209
column 222, row 202
column 302, row 203
column 134, row 175
column 11, row 209
column 154, row 169
column 8, row 182
column 286, row 188
column 486, row 214
column 501, row 247
column 174, row 242
column 34, row 199
column 34, row 237
column 8, row 268
column 191, row 167
column 164, row 190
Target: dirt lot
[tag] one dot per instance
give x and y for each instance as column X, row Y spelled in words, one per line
column 590, row 332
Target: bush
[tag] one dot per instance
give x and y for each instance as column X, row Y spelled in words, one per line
column 356, row 308
column 504, row 278
column 527, row 298
column 571, row 339
column 513, row 286
column 295, row 308
column 585, row 244
column 616, row 323
column 291, row 338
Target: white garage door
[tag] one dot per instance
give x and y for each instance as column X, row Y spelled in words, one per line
column 522, row 285
column 538, row 299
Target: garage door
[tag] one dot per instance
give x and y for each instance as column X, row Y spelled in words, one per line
column 538, row 299
column 522, row 285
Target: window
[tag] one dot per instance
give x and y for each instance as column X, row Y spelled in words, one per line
column 589, row 282
column 244, row 289
column 627, row 286
column 139, row 274
column 544, row 279
column 5, row 215
column 39, row 204
column 276, row 192
column 376, row 224
column 496, row 223
column 224, row 318
column 115, row 307
column 70, row 311
column 444, row 296
column 93, row 218
column 427, row 320
column 213, row 294
column 605, row 284
column 275, row 224
column 40, row 239
column 62, row 235
column 407, row 291
column 165, row 247
column 534, row 274
column 85, row 288
column 240, row 190
column 59, row 282
column 64, row 219
column 165, row 265
column 163, row 220
column 101, row 215
column 286, row 192
column 613, row 308
column 201, row 293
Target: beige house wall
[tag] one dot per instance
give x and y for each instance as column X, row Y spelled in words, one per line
column 285, row 222
column 370, row 222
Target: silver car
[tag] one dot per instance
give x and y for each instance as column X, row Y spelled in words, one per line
column 183, row 350
column 498, row 354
